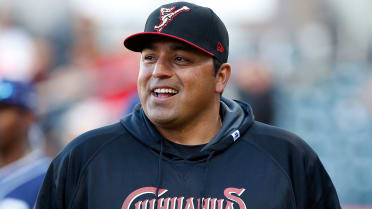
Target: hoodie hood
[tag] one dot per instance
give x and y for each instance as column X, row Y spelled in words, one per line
column 236, row 117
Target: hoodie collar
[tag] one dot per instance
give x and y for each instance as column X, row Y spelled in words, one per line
column 236, row 116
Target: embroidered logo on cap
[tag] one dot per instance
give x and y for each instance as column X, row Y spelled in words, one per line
column 220, row 47
column 167, row 15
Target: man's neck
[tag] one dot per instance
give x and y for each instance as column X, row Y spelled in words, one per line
column 199, row 131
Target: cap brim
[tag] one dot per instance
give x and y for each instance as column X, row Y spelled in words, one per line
column 138, row 41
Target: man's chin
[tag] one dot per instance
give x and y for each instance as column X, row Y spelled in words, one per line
column 162, row 120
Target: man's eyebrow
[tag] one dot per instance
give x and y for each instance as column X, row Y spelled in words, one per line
column 176, row 47
column 149, row 46
column 183, row 47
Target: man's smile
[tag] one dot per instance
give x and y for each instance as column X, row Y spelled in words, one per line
column 164, row 92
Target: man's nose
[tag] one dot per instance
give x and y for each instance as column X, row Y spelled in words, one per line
column 162, row 69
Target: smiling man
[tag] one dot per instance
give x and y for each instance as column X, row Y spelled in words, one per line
column 185, row 146
column 180, row 91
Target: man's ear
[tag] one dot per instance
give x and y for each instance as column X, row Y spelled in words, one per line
column 222, row 77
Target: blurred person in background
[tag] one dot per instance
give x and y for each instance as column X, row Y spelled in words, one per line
column 22, row 167
column 254, row 84
column 16, row 50
column 100, row 82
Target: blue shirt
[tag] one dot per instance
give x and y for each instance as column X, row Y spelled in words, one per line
column 20, row 181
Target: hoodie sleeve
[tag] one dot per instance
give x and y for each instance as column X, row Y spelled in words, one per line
column 64, row 176
column 322, row 192
column 62, row 179
column 312, row 186
column 53, row 191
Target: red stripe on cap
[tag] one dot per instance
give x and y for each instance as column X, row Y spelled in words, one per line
column 171, row 36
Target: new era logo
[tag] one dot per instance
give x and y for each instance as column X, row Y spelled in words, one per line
column 220, row 47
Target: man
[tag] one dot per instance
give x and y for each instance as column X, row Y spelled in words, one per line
column 22, row 169
column 186, row 146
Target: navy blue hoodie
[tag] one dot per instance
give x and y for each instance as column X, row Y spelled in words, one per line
column 129, row 165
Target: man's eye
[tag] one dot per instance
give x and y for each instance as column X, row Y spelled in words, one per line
column 180, row 59
column 149, row 58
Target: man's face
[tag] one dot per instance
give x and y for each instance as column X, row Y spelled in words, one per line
column 176, row 83
column 14, row 124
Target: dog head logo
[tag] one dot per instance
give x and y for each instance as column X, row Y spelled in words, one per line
column 167, row 15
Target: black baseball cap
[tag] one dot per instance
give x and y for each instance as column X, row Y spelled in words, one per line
column 195, row 25
column 18, row 93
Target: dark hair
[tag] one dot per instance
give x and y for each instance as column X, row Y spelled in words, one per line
column 216, row 64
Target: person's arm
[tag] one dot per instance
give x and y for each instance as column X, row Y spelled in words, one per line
column 322, row 192
column 56, row 189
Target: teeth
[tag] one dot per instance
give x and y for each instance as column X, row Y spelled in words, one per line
column 167, row 91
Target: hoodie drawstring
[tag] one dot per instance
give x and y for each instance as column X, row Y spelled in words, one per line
column 205, row 177
column 159, row 172
column 159, row 176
